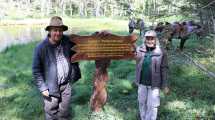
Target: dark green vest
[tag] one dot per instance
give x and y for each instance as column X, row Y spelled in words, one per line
column 145, row 77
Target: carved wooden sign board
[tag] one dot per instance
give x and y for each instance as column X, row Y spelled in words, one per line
column 103, row 47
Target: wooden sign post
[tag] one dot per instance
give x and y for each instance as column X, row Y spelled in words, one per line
column 102, row 49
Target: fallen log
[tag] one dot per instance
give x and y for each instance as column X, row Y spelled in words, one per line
column 209, row 73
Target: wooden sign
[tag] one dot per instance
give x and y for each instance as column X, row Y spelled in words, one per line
column 98, row 47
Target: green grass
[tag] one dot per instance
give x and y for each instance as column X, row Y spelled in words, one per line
column 192, row 92
column 202, row 51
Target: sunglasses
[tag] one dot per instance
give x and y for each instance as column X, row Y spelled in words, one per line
column 150, row 38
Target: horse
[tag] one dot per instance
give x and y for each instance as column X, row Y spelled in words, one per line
column 177, row 30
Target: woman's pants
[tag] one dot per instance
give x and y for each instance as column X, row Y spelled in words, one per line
column 149, row 101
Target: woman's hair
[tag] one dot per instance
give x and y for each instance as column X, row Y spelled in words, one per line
column 49, row 34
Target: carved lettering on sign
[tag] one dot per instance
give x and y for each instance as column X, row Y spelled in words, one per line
column 105, row 47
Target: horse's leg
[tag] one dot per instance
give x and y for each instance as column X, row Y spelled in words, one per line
column 169, row 43
column 141, row 33
column 170, row 40
column 131, row 30
column 182, row 42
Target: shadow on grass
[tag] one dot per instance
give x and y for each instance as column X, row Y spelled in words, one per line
column 191, row 94
column 20, row 100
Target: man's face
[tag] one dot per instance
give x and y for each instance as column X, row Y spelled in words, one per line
column 56, row 34
column 150, row 41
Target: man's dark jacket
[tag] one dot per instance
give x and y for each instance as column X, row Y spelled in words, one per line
column 44, row 66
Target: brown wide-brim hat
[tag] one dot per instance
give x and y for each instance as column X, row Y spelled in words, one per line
column 56, row 21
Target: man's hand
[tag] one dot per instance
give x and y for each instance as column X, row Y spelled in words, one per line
column 166, row 90
column 45, row 93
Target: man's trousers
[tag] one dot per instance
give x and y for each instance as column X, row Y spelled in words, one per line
column 58, row 108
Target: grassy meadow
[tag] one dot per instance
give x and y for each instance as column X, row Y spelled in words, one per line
column 191, row 97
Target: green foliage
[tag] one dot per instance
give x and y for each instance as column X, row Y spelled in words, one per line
column 101, row 8
column 15, row 73
column 202, row 50
column 81, row 94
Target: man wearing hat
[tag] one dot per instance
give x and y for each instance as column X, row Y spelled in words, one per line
column 151, row 75
column 53, row 71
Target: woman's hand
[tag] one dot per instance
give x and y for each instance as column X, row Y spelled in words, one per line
column 166, row 90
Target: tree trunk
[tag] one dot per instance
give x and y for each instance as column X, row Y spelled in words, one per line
column 155, row 7
column 214, row 31
column 81, row 9
column 42, row 9
column 63, row 7
column 57, row 6
column 105, row 8
column 98, row 5
column 85, row 8
column 214, row 24
column 201, row 17
column 71, row 9
column 48, row 7
column 28, row 6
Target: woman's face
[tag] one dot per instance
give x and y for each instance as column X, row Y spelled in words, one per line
column 150, row 41
column 56, row 34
